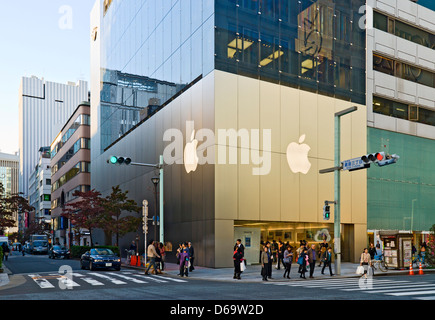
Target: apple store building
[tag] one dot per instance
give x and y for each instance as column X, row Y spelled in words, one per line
column 239, row 98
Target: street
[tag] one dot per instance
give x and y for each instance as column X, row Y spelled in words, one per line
column 40, row 278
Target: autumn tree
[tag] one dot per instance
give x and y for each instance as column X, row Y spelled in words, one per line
column 87, row 212
column 9, row 205
column 114, row 222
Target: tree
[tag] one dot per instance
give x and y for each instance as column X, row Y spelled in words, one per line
column 10, row 204
column 87, row 212
column 114, row 205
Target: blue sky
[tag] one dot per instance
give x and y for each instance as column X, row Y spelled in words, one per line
column 45, row 38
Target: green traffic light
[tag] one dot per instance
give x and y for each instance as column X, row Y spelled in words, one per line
column 113, row 160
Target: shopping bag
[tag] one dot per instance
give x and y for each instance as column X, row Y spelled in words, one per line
column 242, row 266
column 360, row 270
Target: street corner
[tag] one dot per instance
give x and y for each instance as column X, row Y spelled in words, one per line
column 4, row 279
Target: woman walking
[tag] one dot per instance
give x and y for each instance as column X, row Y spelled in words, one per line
column 288, row 259
column 365, row 261
column 303, row 261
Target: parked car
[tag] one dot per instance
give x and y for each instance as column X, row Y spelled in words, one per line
column 100, row 258
column 58, row 251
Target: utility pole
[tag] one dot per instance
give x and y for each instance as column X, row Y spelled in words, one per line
column 336, row 169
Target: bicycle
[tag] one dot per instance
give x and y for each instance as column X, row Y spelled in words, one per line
column 379, row 263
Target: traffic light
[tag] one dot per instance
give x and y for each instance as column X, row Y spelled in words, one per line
column 373, row 157
column 119, row 160
column 389, row 160
column 326, row 212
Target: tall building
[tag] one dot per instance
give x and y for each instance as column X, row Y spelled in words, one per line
column 9, row 166
column 401, row 117
column 256, row 85
column 70, row 171
column 44, row 107
column 40, row 188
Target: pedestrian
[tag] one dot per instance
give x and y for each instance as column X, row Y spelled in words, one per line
column 152, row 255
column 274, row 248
column 159, row 257
column 327, row 261
column 6, row 251
column 238, row 254
column 269, row 265
column 312, row 257
column 323, row 249
column 365, row 261
column 287, row 260
column 191, row 256
column 423, row 252
column 372, row 251
column 162, row 255
column 303, row 260
column 184, row 260
column 264, row 259
column 133, row 248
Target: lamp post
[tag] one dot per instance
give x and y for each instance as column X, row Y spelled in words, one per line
column 155, row 181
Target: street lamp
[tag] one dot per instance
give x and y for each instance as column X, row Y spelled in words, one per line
column 155, row 181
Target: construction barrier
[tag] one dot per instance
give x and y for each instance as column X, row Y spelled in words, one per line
column 411, row 272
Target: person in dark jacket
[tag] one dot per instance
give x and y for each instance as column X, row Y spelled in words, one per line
column 303, row 266
column 264, row 260
column 238, row 254
column 191, row 256
column 327, row 261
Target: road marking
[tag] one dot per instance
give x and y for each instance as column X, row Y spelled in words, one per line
column 426, row 298
column 425, row 287
column 92, row 281
column 149, row 277
column 40, row 281
column 411, row 293
column 115, row 281
column 172, row 279
column 127, row 278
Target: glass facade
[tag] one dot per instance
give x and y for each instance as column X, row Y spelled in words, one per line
column 311, row 45
column 401, row 196
column 150, row 51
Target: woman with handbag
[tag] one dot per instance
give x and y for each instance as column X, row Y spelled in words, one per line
column 302, row 260
column 365, row 261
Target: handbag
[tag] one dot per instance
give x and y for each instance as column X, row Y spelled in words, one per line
column 300, row 260
column 360, row 270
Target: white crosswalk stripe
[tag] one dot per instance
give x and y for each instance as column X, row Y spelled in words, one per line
column 75, row 279
column 393, row 287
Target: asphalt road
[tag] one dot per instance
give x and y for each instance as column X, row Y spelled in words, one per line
column 38, row 278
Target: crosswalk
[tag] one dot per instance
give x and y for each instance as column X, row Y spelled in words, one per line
column 79, row 279
column 418, row 290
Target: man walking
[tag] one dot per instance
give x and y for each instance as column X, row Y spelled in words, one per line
column 238, row 254
column 312, row 259
column 327, row 261
column 269, row 265
column 152, row 254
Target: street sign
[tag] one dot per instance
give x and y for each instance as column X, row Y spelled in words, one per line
column 354, row 164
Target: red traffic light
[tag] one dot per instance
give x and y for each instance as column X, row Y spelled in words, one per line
column 379, row 156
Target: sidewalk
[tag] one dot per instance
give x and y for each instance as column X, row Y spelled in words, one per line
column 252, row 273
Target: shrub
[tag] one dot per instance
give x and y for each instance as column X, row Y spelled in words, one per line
column 77, row 251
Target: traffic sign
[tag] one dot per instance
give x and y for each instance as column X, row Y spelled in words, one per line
column 354, row 164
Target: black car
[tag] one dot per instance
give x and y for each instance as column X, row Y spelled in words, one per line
column 58, row 251
column 100, row 258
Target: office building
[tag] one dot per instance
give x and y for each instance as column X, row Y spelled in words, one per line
column 70, row 172
column 44, row 106
column 401, row 117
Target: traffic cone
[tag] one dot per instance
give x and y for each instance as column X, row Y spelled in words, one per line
column 411, row 272
column 420, row 269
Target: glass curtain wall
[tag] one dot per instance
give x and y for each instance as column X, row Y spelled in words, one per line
column 312, row 45
column 150, row 51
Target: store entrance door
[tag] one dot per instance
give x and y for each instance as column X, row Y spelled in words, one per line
column 347, row 243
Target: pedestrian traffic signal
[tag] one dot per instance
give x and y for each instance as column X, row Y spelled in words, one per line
column 119, row 160
column 326, row 212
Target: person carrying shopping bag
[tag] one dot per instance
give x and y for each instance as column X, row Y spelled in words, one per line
column 365, row 261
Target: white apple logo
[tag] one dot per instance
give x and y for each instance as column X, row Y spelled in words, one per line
column 190, row 155
column 297, row 156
